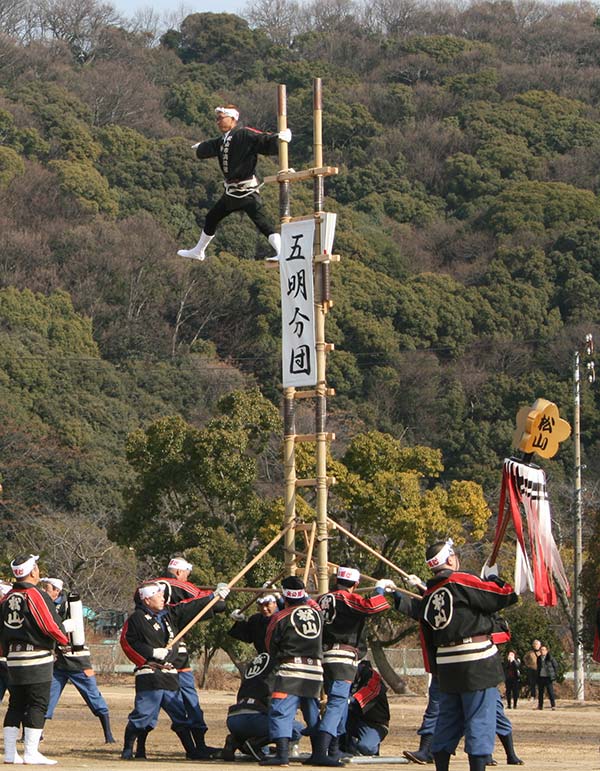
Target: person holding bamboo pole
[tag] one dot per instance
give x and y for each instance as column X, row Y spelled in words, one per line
column 345, row 613
column 254, row 629
column 295, row 642
column 237, row 150
column 147, row 640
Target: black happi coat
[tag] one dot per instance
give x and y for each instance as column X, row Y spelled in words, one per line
column 237, row 151
column 29, row 629
column 295, row 640
column 457, row 621
column 143, row 631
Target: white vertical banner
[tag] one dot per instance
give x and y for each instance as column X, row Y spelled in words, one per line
column 298, row 351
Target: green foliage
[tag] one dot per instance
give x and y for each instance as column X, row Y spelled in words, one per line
column 11, row 165
column 87, row 186
column 529, row 622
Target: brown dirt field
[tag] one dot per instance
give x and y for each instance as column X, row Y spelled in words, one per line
column 547, row 741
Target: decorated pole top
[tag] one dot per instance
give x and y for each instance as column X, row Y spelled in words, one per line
column 540, row 429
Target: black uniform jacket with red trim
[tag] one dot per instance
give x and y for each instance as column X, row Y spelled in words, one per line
column 175, row 590
column 345, row 615
column 295, row 642
column 458, row 619
column 370, row 702
column 143, row 631
column 29, row 629
column 237, row 151
column 71, row 659
column 254, row 693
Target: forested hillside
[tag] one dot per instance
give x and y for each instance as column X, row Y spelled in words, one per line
column 468, row 142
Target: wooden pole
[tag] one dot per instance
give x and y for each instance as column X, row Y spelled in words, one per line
column 371, row 578
column 231, row 583
column 368, row 548
column 321, row 387
column 289, row 403
column 263, row 590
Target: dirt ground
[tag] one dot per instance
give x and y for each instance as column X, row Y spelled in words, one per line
column 562, row 740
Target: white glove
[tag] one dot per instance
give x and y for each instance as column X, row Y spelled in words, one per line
column 489, row 570
column 222, row 590
column 414, row 580
column 196, row 145
column 386, row 584
column 269, row 585
column 237, row 615
column 160, row 653
column 69, row 625
column 285, row 135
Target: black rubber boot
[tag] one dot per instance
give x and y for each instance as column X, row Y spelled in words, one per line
column 131, row 735
column 511, row 756
column 105, row 723
column 490, row 761
column 282, row 757
column 203, row 751
column 320, row 756
column 423, row 754
column 477, row 762
column 140, row 747
column 187, row 742
column 442, row 760
column 229, row 748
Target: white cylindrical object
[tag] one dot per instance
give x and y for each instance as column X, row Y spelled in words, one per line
column 76, row 616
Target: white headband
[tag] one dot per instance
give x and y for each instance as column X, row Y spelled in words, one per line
column 149, row 590
column 266, row 598
column 348, row 574
column 25, row 568
column 178, row 563
column 55, row 582
column 443, row 555
column 294, row 594
column 229, row 111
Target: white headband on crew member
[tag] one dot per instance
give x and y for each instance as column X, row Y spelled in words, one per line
column 443, row 555
column 294, row 594
column 55, row 582
column 229, row 111
column 348, row 574
column 266, row 598
column 25, row 568
column 178, row 563
column 149, row 590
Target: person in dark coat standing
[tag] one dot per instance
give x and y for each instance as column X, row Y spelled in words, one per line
column 457, row 622
column 30, row 627
column 237, row 150
column 512, row 678
column 547, row 674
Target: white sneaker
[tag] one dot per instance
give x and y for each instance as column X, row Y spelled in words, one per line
column 190, row 254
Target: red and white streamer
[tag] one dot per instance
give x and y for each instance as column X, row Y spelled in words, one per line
column 525, row 486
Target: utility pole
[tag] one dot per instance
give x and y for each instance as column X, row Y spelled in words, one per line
column 578, row 656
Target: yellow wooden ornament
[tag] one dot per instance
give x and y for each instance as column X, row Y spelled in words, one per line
column 540, row 429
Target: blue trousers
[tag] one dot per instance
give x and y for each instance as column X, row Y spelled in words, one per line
column 503, row 724
column 148, row 704
column 432, row 710
column 283, row 711
column 189, row 694
column 256, row 725
column 335, row 716
column 472, row 715
column 85, row 684
column 363, row 739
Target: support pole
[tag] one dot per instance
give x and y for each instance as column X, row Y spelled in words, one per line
column 289, row 404
column 321, row 387
column 578, row 670
column 231, row 583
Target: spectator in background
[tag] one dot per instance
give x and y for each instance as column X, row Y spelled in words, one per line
column 530, row 662
column 547, row 673
column 512, row 677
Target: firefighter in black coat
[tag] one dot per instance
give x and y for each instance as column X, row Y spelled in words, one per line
column 237, row 150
